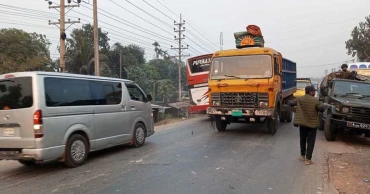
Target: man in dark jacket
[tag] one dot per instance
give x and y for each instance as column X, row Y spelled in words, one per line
column 306, row 110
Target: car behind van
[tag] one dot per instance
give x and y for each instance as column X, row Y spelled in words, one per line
column 58, row 116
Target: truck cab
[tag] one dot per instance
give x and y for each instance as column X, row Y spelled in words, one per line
column 348, row 107
column 302, row 83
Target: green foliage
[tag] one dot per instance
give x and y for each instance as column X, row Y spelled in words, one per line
column 80, row 48
column 22, row 51
column 359, row 44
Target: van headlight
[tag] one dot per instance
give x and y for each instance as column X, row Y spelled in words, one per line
column 345, row 109
column 263, row 104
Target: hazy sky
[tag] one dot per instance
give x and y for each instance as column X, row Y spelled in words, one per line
column 311, row 33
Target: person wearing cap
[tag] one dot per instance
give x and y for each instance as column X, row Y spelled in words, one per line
column 344, row 73
column 344, row 67
column 306, row 117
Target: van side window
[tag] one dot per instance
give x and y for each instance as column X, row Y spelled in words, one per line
column 67, row 92
column 76, row 92
column 106, row 93
column 135, row 93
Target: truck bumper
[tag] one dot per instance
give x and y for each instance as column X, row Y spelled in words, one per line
column 342, row 124
column 246, row 112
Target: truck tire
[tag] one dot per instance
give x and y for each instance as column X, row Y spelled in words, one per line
column 220, row 124
column 273, row 122
column 77, row 149
column 288, row 116
column 322, row 123
column 329, row 131
column 283, row 117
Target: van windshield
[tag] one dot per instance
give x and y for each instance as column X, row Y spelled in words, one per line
column 16, row 93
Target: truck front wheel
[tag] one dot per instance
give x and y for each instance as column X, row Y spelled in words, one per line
column 272, row 123
column 330, row 133
column 220, row 124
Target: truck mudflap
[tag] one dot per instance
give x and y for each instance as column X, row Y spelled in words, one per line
column 240, row 112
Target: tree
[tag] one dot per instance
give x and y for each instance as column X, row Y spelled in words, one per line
column 80, row 49
column 22, row 51
column 359, row 44
column 166, row 89
column 132, row 55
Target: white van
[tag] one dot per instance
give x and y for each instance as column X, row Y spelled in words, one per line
column 58, row 116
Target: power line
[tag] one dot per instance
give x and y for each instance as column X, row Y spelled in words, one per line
column 188, row 24
column 189, row 32
column 132, row 24
column 311, row 48
column 158, row 10
column 145, row 31
column 149, row 14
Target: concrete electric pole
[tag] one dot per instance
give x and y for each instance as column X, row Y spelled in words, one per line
column 62, row 23
column 221, row 40
column 96, row 39
column 180, row 48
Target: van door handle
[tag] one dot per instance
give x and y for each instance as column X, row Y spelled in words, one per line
column 132, row 106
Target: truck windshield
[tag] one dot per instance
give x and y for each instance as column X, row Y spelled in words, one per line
column 302, row 84
column 236, row 67
column 343, row 88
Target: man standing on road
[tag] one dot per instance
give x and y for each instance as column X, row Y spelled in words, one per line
column 306, row 110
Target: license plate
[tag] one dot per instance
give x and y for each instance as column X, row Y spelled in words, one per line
column 252, row 119
column 9, row 132
column 358, row 125
column 236, row 113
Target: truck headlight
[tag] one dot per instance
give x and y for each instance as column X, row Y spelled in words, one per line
column 263, row 104
column 345, row 109
column 216, row 103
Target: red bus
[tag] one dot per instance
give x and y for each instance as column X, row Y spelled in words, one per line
column 197, row 73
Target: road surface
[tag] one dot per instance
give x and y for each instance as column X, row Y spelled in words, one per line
column 186, row 157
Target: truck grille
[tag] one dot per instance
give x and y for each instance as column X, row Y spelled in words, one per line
column 239, row 99
column 360, row 114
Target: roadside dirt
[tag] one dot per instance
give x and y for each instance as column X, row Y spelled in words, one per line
column 349, row 165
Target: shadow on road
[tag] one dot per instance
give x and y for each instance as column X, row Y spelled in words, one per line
column 354, row 140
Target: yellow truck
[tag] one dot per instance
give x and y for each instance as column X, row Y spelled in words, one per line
column 251, row 84
column 301, row 85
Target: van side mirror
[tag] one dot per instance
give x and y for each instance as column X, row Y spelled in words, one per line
column 149, row 97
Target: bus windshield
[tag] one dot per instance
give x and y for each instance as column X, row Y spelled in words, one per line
column 253, row 66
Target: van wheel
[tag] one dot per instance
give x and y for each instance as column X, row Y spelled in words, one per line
column 139, row 135
column 76, row 151
column 27, row 162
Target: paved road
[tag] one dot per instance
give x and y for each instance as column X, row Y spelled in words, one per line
column 187, row 157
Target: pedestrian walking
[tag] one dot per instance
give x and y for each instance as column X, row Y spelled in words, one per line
column 306, row 117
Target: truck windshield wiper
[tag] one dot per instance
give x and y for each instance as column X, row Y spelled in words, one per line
column 364, row 96
column 350, row 93
column 232, row 76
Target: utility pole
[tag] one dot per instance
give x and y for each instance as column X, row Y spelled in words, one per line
column 221, row 40
column 180, row 48
column 120, row 65
column 62, row 28
column 96, row 39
